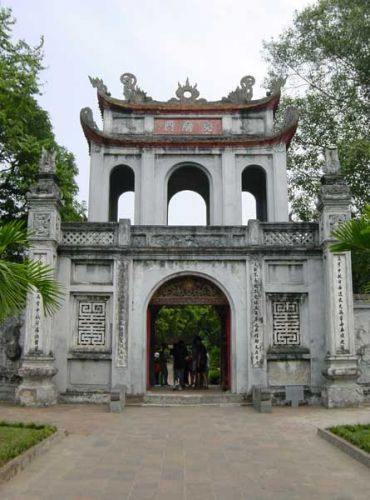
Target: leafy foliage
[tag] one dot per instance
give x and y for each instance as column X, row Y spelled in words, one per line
column 17, row 437
column 175, row 323
column 326, row 60
column 18, row 278
column 354, row 236
column 359, row 434
column 25, row 129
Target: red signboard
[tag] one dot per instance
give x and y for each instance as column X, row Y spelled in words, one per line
column 190, row 126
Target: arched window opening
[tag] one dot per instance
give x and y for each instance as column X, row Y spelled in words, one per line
column 184, row 179
column 249, row 209
column 122, row 180
column 126, row 206
column 187, row 208
column 254, row 182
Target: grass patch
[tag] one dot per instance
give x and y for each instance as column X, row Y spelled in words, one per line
column 359, row 435
column 17, row 437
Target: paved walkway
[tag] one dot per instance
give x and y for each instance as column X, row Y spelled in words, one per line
column 190, row 453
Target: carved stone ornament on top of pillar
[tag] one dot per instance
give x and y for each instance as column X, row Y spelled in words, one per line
column 44, row 199
column 334, row 197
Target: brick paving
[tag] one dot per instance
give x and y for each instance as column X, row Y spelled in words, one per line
column 209, row 452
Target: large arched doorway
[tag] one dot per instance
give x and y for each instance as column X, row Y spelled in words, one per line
column 199, row 296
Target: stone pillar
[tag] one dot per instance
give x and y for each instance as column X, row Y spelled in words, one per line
column 341, row 360
column 231, row 192
column 37, row 387
column 99, row 186
column 147, row 191
column 278, row 210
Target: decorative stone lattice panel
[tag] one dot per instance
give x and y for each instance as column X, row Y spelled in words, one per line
column 92, row 322
column 288, row 238
column 285, row 321
column 87, row 238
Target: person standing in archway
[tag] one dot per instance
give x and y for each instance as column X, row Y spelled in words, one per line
column 163, row 358
column 202, row 364
column 179, row 355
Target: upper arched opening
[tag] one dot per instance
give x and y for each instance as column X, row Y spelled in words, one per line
column 254, row 182
column 184, row 180
column 122, row 180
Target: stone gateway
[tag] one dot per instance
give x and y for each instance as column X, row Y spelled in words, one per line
column 285, row 301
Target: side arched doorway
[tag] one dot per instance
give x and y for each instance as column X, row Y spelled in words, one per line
column 182, row 292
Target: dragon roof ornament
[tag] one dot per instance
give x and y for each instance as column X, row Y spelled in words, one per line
column 131, row 91
column 244, row 93
column 99, row 85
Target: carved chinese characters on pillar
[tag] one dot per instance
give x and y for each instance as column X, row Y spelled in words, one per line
column 340, row 301
column 193, row 126
column 35, row 297
column 122, row 314
column 256, row 311
column 36, row 336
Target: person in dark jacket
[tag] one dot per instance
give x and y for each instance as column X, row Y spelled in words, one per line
column 179, row 355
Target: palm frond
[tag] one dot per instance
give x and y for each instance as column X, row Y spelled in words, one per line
column 13, row 234
column 17, row 279
column 352, row 235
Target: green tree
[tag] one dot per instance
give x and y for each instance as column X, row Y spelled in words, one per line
column 354, row 236
column 19, row 278
column 25, row 129
column 325, row 57
column 175, row 323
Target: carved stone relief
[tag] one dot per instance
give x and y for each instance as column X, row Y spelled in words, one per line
column 335, row 220
column 189, row 290
column 41, row 223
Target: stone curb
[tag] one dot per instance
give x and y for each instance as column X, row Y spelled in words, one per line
column 11, row 468
column 342, row 444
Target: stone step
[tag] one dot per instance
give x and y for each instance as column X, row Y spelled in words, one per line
column 179, row 398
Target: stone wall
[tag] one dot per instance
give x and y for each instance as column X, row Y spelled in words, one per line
column 11, row 347
column 362, row 339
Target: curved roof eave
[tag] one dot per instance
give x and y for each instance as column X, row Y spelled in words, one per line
column 158, row 107
column 96, row 136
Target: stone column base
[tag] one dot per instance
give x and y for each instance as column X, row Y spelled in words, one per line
column 341, row 395
column 37, row 388
column 342, row 389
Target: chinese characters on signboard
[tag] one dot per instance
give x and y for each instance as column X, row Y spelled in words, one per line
column 195, row 126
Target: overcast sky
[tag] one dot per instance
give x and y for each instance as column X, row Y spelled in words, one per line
column 214, row 42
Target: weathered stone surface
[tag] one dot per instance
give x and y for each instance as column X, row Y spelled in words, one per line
column 37, row 387
column 342, row 395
